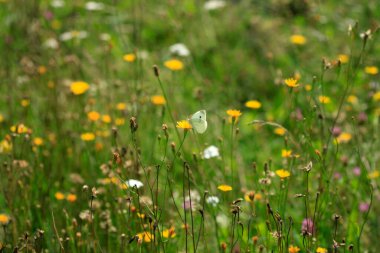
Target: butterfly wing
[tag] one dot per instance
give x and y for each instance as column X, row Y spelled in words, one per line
column 198, row 121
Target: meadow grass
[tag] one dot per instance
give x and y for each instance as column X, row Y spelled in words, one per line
column 99, row 151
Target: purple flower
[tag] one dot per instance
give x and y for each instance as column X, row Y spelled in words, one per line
column 336, row 131
column 48, row 15
column 363, row 207
column 356, row 171
column 308, row 226
column 337, row 176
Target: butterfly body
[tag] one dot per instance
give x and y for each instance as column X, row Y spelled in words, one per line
column 198, row 121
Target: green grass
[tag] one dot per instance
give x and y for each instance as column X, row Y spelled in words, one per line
column 240, row 52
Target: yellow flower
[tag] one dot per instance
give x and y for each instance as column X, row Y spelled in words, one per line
column 184, row 124
column 280, row 131
column 20, row 129
column 343, row 58
column 145, row 236
column 283, row 173
column 174, row 64
column 38, row 141
column 371, row 70
column 308, row 87
column 79, row 87
column 41, row 70
column 321, row 250
column 253, row 104
column 50, row 84
column 324, row 99
column 291, row 82
column 298, row 39
column 374, row 174
column 158, row 100
column 344, row 137
column 352, row 99
column 293, row 249
column 25, row 102
column 129, row 57
column 251, row 196
column 121, row 106
column 169, row 233
column 234, row 113
column 59, row 196
column 286, row 153
column 71, row 197
column 87, row 136
column 4, row 219
column 225, row 188
column 141, row 215
column 106, row 118
column 5, row 146
column 376, row 96
column 1, row 118
column 119, row 121
column 93, row 116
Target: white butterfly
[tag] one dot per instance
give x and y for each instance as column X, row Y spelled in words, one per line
column 198, row 121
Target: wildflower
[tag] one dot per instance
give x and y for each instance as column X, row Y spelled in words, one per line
column 174, row 64
column 214, row 4
column 93, row 116
column 225, row 188
column 129, row 57
column 282, row 173
column 297, row 39
column 119, row 121
column 157, row 100
column 376, row 96
column 293, row 249
column 324, row 99
column 280, row 131
column 253, row 104
column 94, row 6
column 57, row 3
column 51, row 43
column 308, row 87
column 356, row 171
column 59, row 196
column 234, row 114
column 344, row 137
column 352, row 99
column 184, row 124
column 321, row 250
column 66, row 36
column 286, row 153
column 169, row 233
column 251, row 196
column 1, row 118
column 363, row 207
column 179, row 49
column 141, row 215
column 374, row 174
column 291, row 82
column 212, row 200
column 371, row 70
column 38, row 141
column 343, row 58
column 87, row 136
column 121, row 106
column 41, row 70
column 145, row 236
column 5, row 146
column 25, row 102
column 20, row 129
column 307, row 226
column 106, row 118
column 134, row 183
column 79, row 87
column 71, row 197
column 210, row 152
column 4, row 219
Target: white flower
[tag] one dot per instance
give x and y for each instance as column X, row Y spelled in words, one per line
column 179, row 49
column 94, row 6
column 222, row 220
column 134, row 183
column 212, row 200
column 211, row 152
column 51, row 43
column 73, row 34
column 105, row 37
column 214, row 4
column 57, row 3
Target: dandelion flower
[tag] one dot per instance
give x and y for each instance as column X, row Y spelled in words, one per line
column 129, row 57
column 4, row 219
column 308, row 87
column 20, row 129
column 174, row 64
column 184, row 124
column 279, row 131
column 134, row 183
column 5, row 146
column 25, row 102
column 291, row 82
column 374, row 174
column 79, row 87
column 371, row 70
column 352, row 99
column 225, row 188
column 169, row 233
column 234, row 113
column 321, row 250
column 324, row 99
column 38, row 141
column 71, row 197
column 93, row 116
column 119, row 121
column 293, row 249
column 59, row 196
column 297, row 39
column 157, row 100
column 343, row 58
column 121, row 106
column 253, row 104
column 87, row 136
column 41, row 70
column 286, row 153
column 251, row 196
column 344, row 137
column 145, row 236
column 376, row 96
column 106, row 118
column 282, row 173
